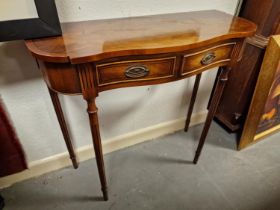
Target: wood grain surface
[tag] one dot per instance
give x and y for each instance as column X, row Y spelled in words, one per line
column 99, row 39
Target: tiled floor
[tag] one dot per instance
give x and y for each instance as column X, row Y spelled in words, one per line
column 159, row 175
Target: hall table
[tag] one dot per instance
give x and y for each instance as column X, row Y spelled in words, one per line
column 100, row 55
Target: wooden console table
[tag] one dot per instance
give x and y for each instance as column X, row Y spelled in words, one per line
column 100, row 55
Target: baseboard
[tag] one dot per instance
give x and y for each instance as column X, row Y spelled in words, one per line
column 46, row 165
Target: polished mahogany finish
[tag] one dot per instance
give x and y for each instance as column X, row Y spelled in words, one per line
column 122, row 71
column 99, row 39
column 63, row 126
column 193, row 99
column 100, row 55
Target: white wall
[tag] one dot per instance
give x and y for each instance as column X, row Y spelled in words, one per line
column 121, row 111
column 25, row 9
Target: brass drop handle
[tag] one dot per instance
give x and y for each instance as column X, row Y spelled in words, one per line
column 136, row 71
column 208, row 58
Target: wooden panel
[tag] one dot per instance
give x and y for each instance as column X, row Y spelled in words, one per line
column 264, row 13
column 61, row 77
column 232, row 110
column 117, row 72
column 261, row 93
column 210, row 57
column 239, row 89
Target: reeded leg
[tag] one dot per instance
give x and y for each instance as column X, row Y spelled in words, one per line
column 193, row 98
column 212, row 109
column 87, row 78
column 94, row 126
column 63, row 126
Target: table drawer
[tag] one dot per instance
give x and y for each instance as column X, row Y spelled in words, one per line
column 210, row 57
column 135, row 70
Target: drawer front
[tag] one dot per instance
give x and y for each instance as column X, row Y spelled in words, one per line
column 204, row 59
column 135, row 70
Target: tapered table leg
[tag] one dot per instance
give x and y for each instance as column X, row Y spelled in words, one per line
column 215, row 84
column 87, row 77
column 223, row 77
column 63, row 126
column 94, row 126
column 193, row 98
column 217, row 93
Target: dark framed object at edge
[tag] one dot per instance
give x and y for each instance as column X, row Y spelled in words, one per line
column 47, row 24
column 263, row 115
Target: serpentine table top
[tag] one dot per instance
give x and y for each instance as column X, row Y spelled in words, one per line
column 99, row 39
